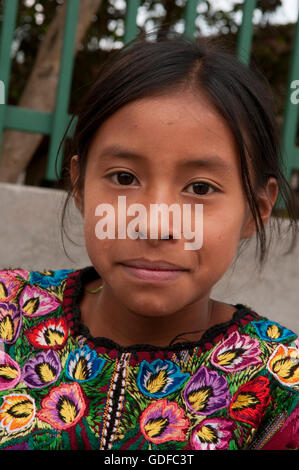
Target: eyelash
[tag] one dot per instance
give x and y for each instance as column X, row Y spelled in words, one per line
column 195, row 182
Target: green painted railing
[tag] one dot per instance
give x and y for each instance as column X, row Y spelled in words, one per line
column 54, row 124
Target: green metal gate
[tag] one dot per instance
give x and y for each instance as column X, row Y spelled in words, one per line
column 54, row 124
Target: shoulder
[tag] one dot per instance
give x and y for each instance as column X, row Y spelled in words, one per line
column 26, row 297
column 275, row 351
column 43, row 279
column 12, row 281
column 258, row 360
column 273, row 347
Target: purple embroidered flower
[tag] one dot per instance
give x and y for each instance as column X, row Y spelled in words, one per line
column 35, row 302
column 19, row 446
column 10, row 322
column 236, row 353
column 63, row 407
column 212, row 434
column 206, row 392
column 10, row 372
column 41, row 370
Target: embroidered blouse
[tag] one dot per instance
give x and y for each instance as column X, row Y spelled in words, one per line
column 60, row 388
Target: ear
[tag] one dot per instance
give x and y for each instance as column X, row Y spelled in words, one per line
column 74, row 172
column 266, row 200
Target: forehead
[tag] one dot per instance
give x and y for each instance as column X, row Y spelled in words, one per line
column 170, row 127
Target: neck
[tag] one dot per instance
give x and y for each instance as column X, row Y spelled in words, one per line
column 104, row 316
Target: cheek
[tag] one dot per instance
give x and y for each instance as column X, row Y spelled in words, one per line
column 98, row 250
column 221, row 236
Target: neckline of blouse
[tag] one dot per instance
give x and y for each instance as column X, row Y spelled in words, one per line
column 74, row 290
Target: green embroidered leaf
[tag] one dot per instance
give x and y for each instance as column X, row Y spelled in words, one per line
column 93, row 438
column 236, row 379
column 80, row 442
column 122, row 439
column 172, row 445
column 233, row 446
column 93, row 426
column 45, row 440
column 97, row 406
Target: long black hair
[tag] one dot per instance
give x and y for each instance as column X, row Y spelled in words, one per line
column 241, row 93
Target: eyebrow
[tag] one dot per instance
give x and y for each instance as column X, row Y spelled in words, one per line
column 207, row 161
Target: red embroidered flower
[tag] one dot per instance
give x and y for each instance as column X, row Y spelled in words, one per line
column 250, row 401
column 51, row 334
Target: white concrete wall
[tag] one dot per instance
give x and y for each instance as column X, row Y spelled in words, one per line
column 30, row 239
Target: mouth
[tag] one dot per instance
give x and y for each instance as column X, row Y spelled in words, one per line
column 158, row 270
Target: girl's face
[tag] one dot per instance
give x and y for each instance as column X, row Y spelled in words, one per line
column 180, row 140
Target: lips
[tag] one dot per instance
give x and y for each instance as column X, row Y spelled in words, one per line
column 153, row 271
column 158, row 265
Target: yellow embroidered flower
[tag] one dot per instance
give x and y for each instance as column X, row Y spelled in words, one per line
column 284, row 365
column 17, row 412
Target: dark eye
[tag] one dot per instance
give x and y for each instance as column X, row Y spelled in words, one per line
column 202, row 188
column 122, row 177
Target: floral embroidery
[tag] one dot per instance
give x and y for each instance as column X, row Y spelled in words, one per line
column 272, row 331
column 10, row 322
column 48, row 278
column 284, row 365
column 206, row 392
column 92, row 394
column 63, row 407
column 83, row 364
column 41, row 370
column 34, row 302
column 160, row 378
column 163, row 421
column 212, row 434
column 236, row 353
column 10, row 373
column 9, row 287
column 250, row 401
column 17, row 412
column 19, row 446
column 49, row 334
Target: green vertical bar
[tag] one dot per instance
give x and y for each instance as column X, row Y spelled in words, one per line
column 290, row 122
column 190, row 17
column 130, row 21
column 60, row 119
column 7, row 32
column 246, row 32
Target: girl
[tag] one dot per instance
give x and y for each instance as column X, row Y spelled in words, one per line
column 95, row 358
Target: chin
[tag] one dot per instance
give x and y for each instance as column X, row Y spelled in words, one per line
column 150, row 309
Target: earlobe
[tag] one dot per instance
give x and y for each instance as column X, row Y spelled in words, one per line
column 74, row 173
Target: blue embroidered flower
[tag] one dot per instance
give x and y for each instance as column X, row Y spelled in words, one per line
column 48, row 278
column 159, row 378
column 272, row 331
column 83, row 364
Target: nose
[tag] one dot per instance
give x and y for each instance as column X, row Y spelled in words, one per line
column 160, row 222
